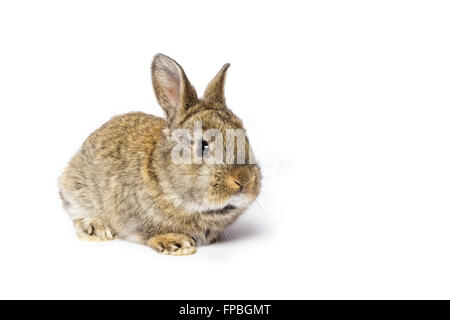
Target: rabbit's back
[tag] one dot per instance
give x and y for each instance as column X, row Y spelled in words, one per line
column 101, row 180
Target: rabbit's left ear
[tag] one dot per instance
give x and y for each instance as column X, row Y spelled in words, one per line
column 215, row 92
column 172, row 88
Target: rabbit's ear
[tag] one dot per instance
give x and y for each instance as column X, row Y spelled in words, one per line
column 172, row 88
column 214, row 92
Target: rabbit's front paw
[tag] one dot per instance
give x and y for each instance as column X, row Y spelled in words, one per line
column 174, row 244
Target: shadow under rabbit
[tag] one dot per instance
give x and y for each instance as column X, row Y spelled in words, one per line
column 243, row 230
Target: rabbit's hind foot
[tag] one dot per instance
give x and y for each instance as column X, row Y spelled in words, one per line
column 93, row 230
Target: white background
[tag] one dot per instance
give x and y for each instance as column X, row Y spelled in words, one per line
column 347, row 105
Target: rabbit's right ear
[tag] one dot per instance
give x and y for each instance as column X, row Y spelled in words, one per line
column 172, row 88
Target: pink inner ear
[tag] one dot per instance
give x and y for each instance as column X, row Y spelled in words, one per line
column 172, row 88
column 168, row 75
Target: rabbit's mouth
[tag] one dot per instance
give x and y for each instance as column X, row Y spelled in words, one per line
column 227, row 209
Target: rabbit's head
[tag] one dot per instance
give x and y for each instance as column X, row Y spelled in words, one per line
column 204, row 157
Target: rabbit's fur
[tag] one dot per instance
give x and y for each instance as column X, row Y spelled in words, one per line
column 123, row 184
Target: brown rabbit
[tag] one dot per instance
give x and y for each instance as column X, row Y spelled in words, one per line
column 122, row 183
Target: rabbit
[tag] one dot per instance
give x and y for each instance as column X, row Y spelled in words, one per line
column 123, row 184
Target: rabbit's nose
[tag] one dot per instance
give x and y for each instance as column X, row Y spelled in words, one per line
column 238, row 183
column 234, row 184
column 241, row 180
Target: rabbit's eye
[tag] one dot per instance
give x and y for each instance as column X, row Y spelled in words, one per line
column 205, row 148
